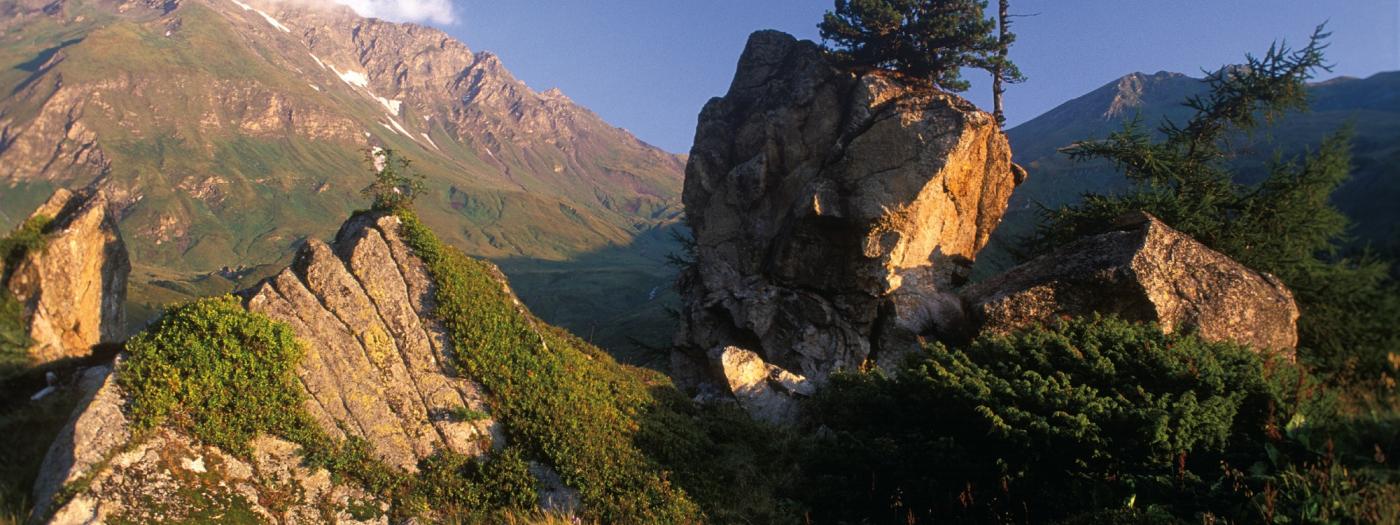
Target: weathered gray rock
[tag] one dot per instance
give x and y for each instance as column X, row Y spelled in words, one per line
column 1142, row 271
column 111, row 478
column 74, row 288
column 377, row 366
column 766, row 392
column 833, row 213
column 97, row 430
column 170, row 478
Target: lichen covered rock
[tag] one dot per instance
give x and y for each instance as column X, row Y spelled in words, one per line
column 1142, row 271
column 376, row 366
column 833, row 212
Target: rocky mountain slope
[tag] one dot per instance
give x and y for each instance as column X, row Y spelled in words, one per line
column 1370, row 105
column 376, row 368
column 226, row 132
column 416, row 385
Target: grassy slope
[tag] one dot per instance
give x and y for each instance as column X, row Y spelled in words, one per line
column 636, row 449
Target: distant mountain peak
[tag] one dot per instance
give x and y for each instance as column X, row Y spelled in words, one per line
column 1129, row 90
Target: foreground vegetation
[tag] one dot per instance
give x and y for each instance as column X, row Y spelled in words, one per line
column 636, row 450
column 1094, row 420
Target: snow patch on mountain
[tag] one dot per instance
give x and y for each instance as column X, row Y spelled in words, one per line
column 392, row 105
column 352, row 77
column 269, row 18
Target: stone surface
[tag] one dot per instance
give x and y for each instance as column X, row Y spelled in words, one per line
column 170, row 478
column 1142, row 271
column 377, row 366
column 766, row 392
column 833, row 213
column 97, row 430
column 74, row 288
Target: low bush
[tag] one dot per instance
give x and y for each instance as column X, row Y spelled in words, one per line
column 1078, row 419
column 14, row 335
column 559, row 398
column 218, row 371
column 224, row 374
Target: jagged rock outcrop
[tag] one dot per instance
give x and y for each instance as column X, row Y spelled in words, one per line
column 377, row 366
column 73, row 288
column 833, row 213
column 1142, row 271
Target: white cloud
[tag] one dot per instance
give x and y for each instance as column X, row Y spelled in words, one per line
column 439, row 11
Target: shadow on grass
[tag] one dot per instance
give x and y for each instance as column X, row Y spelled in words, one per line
column 618, row 298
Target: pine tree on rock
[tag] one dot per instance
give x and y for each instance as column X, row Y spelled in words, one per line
column 930, row 40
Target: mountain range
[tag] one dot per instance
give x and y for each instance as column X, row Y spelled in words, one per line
column 1369, row 107
column 228, row 132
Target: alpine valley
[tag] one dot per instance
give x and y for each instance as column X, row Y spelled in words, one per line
column 226, row 133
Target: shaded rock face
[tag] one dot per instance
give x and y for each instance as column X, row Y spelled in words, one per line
column 1143, row 271
column 376, row 367
column 833, row 213
column 74, row 288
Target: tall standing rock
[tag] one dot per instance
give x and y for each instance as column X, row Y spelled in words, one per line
column 833, row 213
column 73, row 288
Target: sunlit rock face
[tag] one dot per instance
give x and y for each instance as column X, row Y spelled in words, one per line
column 833, row 213
column 1142, row 271
column 73, row 288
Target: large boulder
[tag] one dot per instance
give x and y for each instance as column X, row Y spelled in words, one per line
column 73, row 288
column 1146, row 271
column 833, row 213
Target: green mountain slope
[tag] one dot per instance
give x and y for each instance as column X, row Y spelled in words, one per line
column 1371, row 106
column 230, row 131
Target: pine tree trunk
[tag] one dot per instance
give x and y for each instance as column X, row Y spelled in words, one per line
column 1003, row 18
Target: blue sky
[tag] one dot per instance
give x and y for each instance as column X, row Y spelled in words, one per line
column 649, row 65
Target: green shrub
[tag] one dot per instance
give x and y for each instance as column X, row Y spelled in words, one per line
column 14, row 337
column 1084, row 416
column 395, row 184
column 14, row 334
column 29, row 236
column 462, row 488
column 738, row 470
column 559, row 398
column 217, row 370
